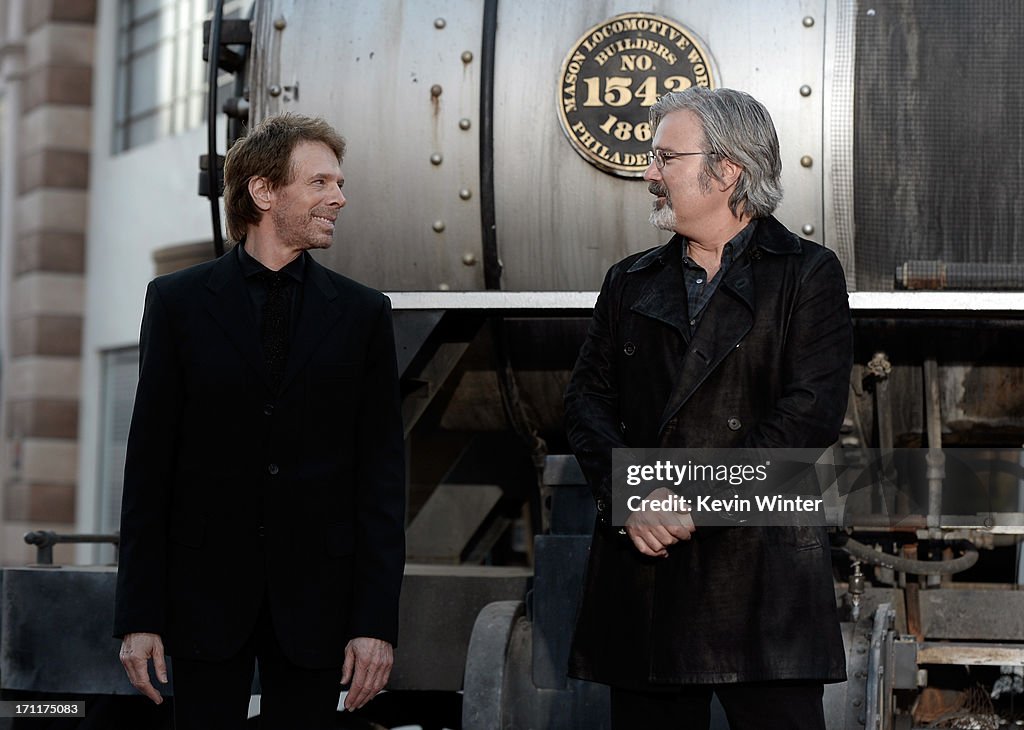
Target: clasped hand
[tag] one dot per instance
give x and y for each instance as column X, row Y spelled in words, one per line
column 652, row 532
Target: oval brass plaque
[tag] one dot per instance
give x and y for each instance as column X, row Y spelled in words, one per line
column 612, row 77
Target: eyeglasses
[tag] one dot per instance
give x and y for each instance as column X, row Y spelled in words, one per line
column 660, row 157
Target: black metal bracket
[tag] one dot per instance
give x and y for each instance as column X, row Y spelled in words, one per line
column 232, row 33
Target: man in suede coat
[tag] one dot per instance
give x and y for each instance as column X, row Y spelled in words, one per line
column 735, row 333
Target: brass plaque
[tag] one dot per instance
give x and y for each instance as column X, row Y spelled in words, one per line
column 611, row 78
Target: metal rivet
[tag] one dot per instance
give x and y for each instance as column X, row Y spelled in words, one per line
column 808, row 229
column 439, row 23
column 438, row 226
column 465, row 194
column 808, row 21
column 464, row 123
column 467, row 56
column 468, row 259
column 280, row 23
column 871, row 12
column 443, row 287
column 805, row 90
column 435, row 90
column 806, row 161
column 274, row 90
column 856, row 702
column 436, row 159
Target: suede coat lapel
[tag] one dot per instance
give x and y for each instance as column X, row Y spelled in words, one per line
column 727, row 319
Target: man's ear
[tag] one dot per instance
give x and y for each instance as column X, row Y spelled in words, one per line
column 730, row 173
column 259, row 189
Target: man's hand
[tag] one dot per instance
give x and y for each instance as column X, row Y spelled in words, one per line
column 368, row 666
column 136, row 651
column 652, row 532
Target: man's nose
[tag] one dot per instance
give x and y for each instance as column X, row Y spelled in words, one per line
column 338, row 199
column 652, row 172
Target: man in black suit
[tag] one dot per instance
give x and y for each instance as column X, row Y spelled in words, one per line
column 263, row 507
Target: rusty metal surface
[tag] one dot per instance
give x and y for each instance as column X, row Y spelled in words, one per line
column 978, row 615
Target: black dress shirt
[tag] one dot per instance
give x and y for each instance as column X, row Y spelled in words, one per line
column 254, row 271
column 698, row 289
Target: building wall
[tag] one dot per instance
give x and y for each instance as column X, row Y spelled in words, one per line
column 77, row 261
column 47, row 87
column 149, row 203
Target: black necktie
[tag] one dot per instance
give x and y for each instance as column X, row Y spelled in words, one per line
column 276, row 322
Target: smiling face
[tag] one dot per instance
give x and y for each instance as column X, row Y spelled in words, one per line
column 304, row 211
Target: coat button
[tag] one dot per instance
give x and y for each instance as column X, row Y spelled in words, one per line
column 733, row 424
column 273, row 469
column 268, row 409
column 601, row 507
column 629, row 348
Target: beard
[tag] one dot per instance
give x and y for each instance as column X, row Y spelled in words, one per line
column 662, row 216
column 303, row 233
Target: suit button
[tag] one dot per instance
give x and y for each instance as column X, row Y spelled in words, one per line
column 733, row 424
column 274, row 469
column 601, row 506
column 268, row 409
column 629, row 348
column 261, row 531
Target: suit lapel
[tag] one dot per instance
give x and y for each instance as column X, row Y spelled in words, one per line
column 728, row 318
column 227, row 301
column 320, row 310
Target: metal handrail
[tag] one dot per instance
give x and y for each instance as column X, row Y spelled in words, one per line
column 44, row 540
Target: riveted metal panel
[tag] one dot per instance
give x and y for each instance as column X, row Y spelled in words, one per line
column 369, row 68
column 561, row 221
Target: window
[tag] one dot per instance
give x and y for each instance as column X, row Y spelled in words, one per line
column 161, row 75
column 120, row 378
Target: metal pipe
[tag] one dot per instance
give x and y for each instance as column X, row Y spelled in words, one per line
column 935, row 459
column 488, row 216
column 212, row 174
column 44, row 540
column 908, row 565
column 879, row 368
column 936, row 275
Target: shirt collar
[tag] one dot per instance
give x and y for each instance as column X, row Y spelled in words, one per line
column 295, row 269
column 732, row 250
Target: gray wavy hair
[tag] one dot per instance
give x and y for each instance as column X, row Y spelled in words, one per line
column 737, row 127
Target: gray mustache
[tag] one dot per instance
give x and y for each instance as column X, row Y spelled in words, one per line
column 658, row 189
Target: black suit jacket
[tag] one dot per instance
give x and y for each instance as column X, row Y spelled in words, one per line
column 233, row 492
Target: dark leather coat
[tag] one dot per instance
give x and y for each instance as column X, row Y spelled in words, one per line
column 768, row 366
